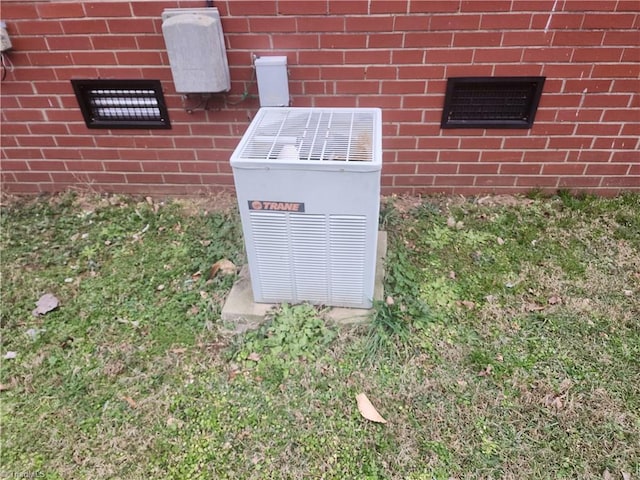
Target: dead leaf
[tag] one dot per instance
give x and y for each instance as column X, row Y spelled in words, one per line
column 173, row 422
column 4, row 387
column 554, row 401
column 626, row 476
column 557, row 403
column 196, row 276
column 500, row 241
column 533, row 307
column 390, row 301
column 554, row 300
column 224, row 266
column 178, row 351
column 10, row 355
column 606, row 475
column 499, row 358
column 452, row 275
column 367, row 410
column 459, row 225
column 45, row 304
column 486, row 372
column 451, row 222
column 470, row 305
column 254, row 357
column 132, row 403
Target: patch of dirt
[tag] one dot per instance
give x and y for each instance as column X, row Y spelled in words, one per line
column 221, row 202
column 88, row 202
column 9, row 200
column 504, row 200
column 403, row 203
column 113, row 368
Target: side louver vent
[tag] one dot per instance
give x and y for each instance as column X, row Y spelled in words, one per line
column 315, row 258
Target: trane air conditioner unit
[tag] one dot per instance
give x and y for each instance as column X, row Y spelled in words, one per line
column 308, row 188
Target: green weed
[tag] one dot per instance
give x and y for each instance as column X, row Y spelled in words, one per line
column 292, row 333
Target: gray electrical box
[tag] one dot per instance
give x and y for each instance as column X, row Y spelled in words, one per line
column 197, row 54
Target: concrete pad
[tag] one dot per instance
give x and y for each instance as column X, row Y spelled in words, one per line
column 243, row 313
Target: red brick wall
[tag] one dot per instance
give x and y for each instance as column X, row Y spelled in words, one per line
column 390, row 54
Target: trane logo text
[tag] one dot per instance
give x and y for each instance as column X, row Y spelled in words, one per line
column 276, row 206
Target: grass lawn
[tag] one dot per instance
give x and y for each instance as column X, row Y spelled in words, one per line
column 509, row 347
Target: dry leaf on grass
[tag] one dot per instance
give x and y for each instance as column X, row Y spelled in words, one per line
column 555, row 300
column 486, row 372
column 45, row 304
column 468, row 304
column 234, row 373
column 553, row 401
column 254, row 357
column 626, row 476
column 224, row 266
column 606, row 475
column 491, row 298
column 367, row 410
column 174, row 423
column 130, row 401
column 533, row 307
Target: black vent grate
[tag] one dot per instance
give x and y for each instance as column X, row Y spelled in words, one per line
column 122, row 103
column 491, row 102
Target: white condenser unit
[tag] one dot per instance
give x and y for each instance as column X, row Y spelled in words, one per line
column 308, row 188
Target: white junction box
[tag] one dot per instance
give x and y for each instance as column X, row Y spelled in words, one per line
column 273, row 82
column 308, row 188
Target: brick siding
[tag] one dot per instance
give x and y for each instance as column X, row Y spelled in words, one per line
column 395, row 55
